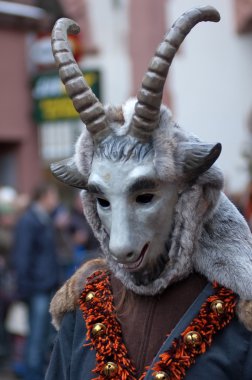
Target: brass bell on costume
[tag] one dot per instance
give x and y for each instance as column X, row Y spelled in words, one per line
column 90, row 296
column 193, row 338
column 218, row 306
column 98, row 329
column 110, row 369
column 160, row 375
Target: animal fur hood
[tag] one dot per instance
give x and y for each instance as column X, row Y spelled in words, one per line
column 209, row 235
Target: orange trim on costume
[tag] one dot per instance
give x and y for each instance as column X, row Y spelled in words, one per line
column 109, row 345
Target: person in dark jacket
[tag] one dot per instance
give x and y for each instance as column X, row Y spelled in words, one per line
column 85, row 245
column 36, row 267
column 172, row 298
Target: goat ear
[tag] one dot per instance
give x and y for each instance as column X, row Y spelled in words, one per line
column 66, row 171
column 198, row 158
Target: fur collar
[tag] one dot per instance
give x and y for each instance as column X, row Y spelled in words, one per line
column 67, row 297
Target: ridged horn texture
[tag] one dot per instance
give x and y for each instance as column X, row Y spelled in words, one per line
column 84, row 100
column 147, row 108
column 66, row 171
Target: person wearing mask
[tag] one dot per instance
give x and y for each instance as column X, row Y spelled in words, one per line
column 36, row 268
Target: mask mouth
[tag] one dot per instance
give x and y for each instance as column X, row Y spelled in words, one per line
column 136, row 264
column 148, row 275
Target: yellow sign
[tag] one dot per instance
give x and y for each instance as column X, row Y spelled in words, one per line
column 57, row 108
column 51, row 102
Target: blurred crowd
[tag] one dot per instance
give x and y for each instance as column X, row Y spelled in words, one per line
column 42, row 242
column 243, row 202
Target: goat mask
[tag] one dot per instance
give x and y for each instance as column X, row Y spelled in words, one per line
column 151, row 192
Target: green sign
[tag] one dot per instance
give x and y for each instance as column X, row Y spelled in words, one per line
column 51, row 102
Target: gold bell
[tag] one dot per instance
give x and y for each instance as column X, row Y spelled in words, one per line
column 218, row 306
column 90, row 296
column 98, row 329
column 192, row 338
column 110, row 369
column 160, row 375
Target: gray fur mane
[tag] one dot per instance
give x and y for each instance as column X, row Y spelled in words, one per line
column 209, row 234
column 123, row 148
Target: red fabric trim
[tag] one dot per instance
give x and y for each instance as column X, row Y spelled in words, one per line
column 109, row 346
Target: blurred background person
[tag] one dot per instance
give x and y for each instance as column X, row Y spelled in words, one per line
column 74, row 237
column 36, row 267
column 247, row 204
column 64, row 243
column 12, row 324
column 85, row 245
column 7, row 220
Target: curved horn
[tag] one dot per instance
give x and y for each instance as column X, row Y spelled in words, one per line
column 84, row 100
column 147, row 108
column 196, row 158
column 66, row 171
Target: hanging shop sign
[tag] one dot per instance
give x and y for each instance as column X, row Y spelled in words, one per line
column 51, row 102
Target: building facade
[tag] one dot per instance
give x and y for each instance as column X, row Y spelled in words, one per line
column 208, row 89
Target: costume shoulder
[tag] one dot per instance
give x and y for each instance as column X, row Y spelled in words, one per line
column 66, row 298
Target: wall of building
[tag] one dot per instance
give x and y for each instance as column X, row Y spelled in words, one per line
column 18, row 134
column 210, row 79
column 147, row 23
column 211, row 83
column 243, row 16
column 109, row 30
column 122, row 32
column 22, row 164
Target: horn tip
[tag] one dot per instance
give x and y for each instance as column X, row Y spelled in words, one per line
column 213, row 13
column 216, row 150
column 70, row 25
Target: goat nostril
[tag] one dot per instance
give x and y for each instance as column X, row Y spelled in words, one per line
column 130, row 254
